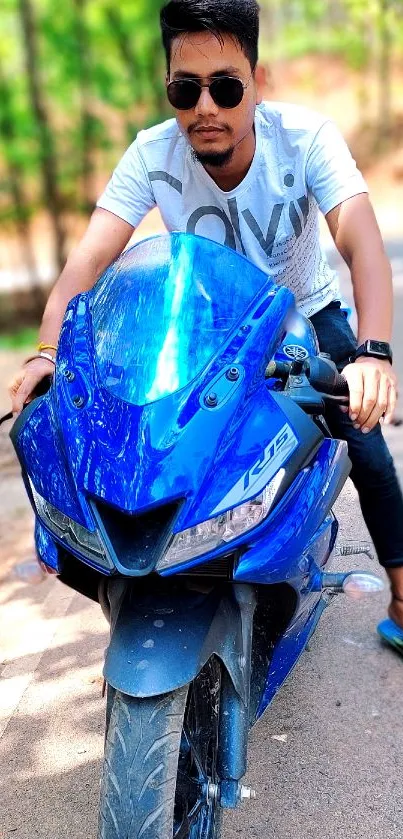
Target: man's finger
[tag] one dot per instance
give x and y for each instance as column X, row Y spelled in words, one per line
column 354, row 377
column 372, row 380
column 15, row 384
column 19, row 401
column 23, row 393
column 392, row 399
column 380, row 407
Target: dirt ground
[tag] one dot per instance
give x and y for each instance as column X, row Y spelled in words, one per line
column 16, row 518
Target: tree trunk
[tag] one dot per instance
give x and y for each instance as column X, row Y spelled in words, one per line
column 384, row 74
column 129, row 61
column 127, row 53
column 21, row 211
column 84, row 73
column 47, row 150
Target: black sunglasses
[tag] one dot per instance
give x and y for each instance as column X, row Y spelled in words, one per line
column 225, row 91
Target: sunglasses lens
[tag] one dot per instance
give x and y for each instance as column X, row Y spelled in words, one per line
column 227, row 92
column 183, row 95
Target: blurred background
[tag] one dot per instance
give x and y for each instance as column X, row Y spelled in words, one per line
column 78, row 80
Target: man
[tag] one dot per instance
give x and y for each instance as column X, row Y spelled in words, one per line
column 253, row 176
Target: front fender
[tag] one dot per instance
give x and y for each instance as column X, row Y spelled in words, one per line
column 161, row 639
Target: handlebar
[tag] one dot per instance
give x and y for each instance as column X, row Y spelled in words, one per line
column 340, row 386
column 324, row 376
column 6, row 417
column 318, row 371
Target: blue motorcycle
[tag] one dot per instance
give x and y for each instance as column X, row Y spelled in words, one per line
column 183, row 476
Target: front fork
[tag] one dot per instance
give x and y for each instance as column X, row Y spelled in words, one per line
column 234, row 708
column 234, row 712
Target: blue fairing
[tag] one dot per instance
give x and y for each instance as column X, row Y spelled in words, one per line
column 155, row 335
column 159, row 407
column 156, row 452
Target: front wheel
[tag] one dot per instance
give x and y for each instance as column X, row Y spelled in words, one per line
column 159, row 773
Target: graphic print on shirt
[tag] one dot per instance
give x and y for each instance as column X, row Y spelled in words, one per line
column 302, row 166
column 231, row 222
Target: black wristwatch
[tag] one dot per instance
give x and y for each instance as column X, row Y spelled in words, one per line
column 375, row 349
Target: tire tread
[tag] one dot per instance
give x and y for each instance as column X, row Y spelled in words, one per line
column 142, row 746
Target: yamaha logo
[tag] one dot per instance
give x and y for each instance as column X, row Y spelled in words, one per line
column 295, row 352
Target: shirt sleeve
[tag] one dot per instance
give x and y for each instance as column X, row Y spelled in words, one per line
column 331, row 172
column 129, row 194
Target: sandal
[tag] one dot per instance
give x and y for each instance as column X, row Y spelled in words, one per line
column 391, row 632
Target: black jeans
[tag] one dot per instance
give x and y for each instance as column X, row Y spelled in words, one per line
column 373, row 473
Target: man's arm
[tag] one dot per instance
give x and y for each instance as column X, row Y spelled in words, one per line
column 105, row 238
column 357, row 237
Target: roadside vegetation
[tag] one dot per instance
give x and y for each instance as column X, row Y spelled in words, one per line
column 78, row 81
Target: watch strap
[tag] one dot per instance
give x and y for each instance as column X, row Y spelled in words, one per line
column 374, row 349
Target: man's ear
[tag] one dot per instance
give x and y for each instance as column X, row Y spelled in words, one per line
column 260, row 82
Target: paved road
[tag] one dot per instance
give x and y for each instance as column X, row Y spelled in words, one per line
column 325, row 760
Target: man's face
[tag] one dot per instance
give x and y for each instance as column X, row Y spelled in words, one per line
column 213, row 132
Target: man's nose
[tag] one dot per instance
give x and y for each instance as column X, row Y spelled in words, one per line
column 206, row 104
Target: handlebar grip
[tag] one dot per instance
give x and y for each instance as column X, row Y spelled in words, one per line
column 340, row 387
column 43, row 386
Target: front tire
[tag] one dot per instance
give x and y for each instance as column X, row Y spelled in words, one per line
column 160, row 755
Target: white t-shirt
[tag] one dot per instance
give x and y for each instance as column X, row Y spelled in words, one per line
column 301, row 163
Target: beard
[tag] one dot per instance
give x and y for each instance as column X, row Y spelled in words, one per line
column 214, row 158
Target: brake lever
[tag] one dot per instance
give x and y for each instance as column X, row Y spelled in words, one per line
column 299, row 387
column 340, row 400
column 6, row 417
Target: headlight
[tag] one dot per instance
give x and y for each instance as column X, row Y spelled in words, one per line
column 73, row 535
column 226, row 527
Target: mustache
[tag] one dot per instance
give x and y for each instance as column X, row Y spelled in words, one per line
column 195, row 126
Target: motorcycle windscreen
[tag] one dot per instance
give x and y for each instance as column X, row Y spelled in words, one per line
column 163, row 310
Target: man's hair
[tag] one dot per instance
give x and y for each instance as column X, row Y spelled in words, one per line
column 238, row 18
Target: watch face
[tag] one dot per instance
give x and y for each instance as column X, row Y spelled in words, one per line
column 379, row 347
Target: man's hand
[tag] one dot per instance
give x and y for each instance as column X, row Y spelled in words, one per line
column 373, row 392
column 22, row 386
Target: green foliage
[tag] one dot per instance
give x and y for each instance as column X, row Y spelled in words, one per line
column 20, row 340
column 351, row 29
column 100, row 73
column 98, row 64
